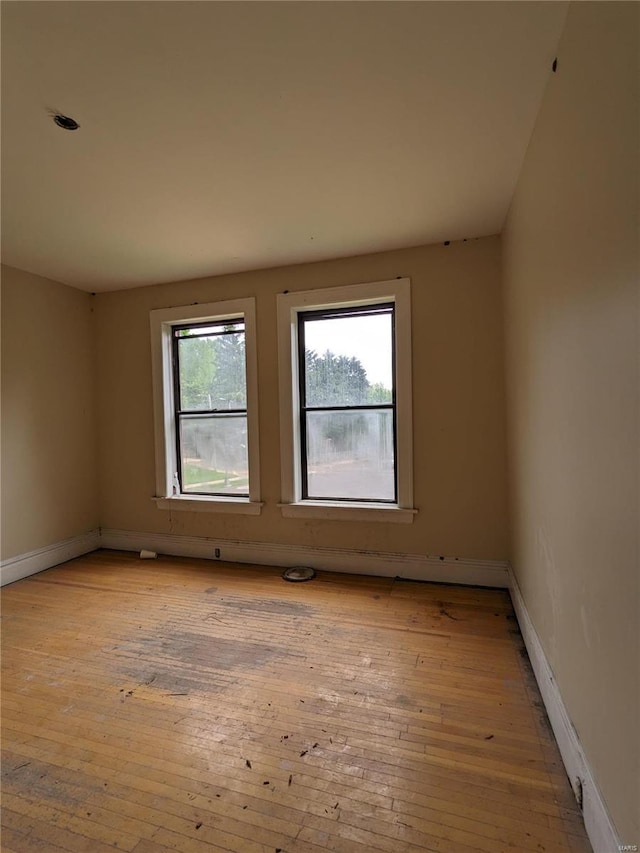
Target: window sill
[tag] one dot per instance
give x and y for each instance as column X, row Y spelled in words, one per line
column 201, row 503
column 339, row 511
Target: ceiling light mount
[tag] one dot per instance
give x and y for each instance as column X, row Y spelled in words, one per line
column 65, row 122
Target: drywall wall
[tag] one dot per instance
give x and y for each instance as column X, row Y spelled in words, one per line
column 571, row 316
column 49, row 487
column 458, row 399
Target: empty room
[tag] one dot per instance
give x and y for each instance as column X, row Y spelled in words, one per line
column 320, row 427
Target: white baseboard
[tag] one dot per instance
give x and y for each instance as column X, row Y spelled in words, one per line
column 491, row 573
column 24, row 565
column 597, row 821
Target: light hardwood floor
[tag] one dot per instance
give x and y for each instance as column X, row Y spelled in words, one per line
column 194, row 706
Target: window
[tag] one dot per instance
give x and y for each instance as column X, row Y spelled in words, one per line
column 345, row 394
column 210, row 400
column 347, row 414
column 205, row 404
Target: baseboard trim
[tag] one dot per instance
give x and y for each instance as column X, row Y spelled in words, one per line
column 16, row 568
column 597, row 821
column 492, row 573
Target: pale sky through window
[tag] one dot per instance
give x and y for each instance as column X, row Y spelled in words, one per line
column 366, row 338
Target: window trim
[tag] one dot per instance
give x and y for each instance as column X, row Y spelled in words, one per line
column 162, row 323
column 290, row 305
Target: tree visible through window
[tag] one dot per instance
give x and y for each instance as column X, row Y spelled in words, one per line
column 347, row 404
column 210, row 393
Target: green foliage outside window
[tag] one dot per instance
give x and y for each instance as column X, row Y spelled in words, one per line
column 340, row 380
column 212, row 370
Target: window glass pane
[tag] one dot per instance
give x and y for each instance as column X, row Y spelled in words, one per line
column 212, row 370
column 214, row 454
column 348, row 360
column 351, row 455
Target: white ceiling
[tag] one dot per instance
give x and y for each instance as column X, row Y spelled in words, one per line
column 219, row 137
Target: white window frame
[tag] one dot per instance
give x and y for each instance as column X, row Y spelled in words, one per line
column 162, row 322
column 290, row 305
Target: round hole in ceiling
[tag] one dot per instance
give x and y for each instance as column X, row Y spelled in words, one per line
column 65, row 122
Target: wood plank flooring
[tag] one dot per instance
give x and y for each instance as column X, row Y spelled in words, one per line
column 201, row 707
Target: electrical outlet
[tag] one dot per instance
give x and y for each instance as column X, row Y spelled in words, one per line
column 217, row 552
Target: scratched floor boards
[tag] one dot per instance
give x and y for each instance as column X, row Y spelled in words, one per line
column 193, row 706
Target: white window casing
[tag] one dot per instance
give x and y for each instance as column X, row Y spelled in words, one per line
column 162, row 322
column 290, row 305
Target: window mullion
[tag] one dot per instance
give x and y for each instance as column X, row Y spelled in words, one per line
column 211, row 412
column 365, row 407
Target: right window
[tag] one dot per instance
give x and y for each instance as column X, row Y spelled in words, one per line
column 347, row 403
column 345, row 396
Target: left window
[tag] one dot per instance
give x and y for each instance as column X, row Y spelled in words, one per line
column 205, row 407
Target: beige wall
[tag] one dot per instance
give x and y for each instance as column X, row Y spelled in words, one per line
column 459, row 433
column 571, row 287
column 49, row 488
